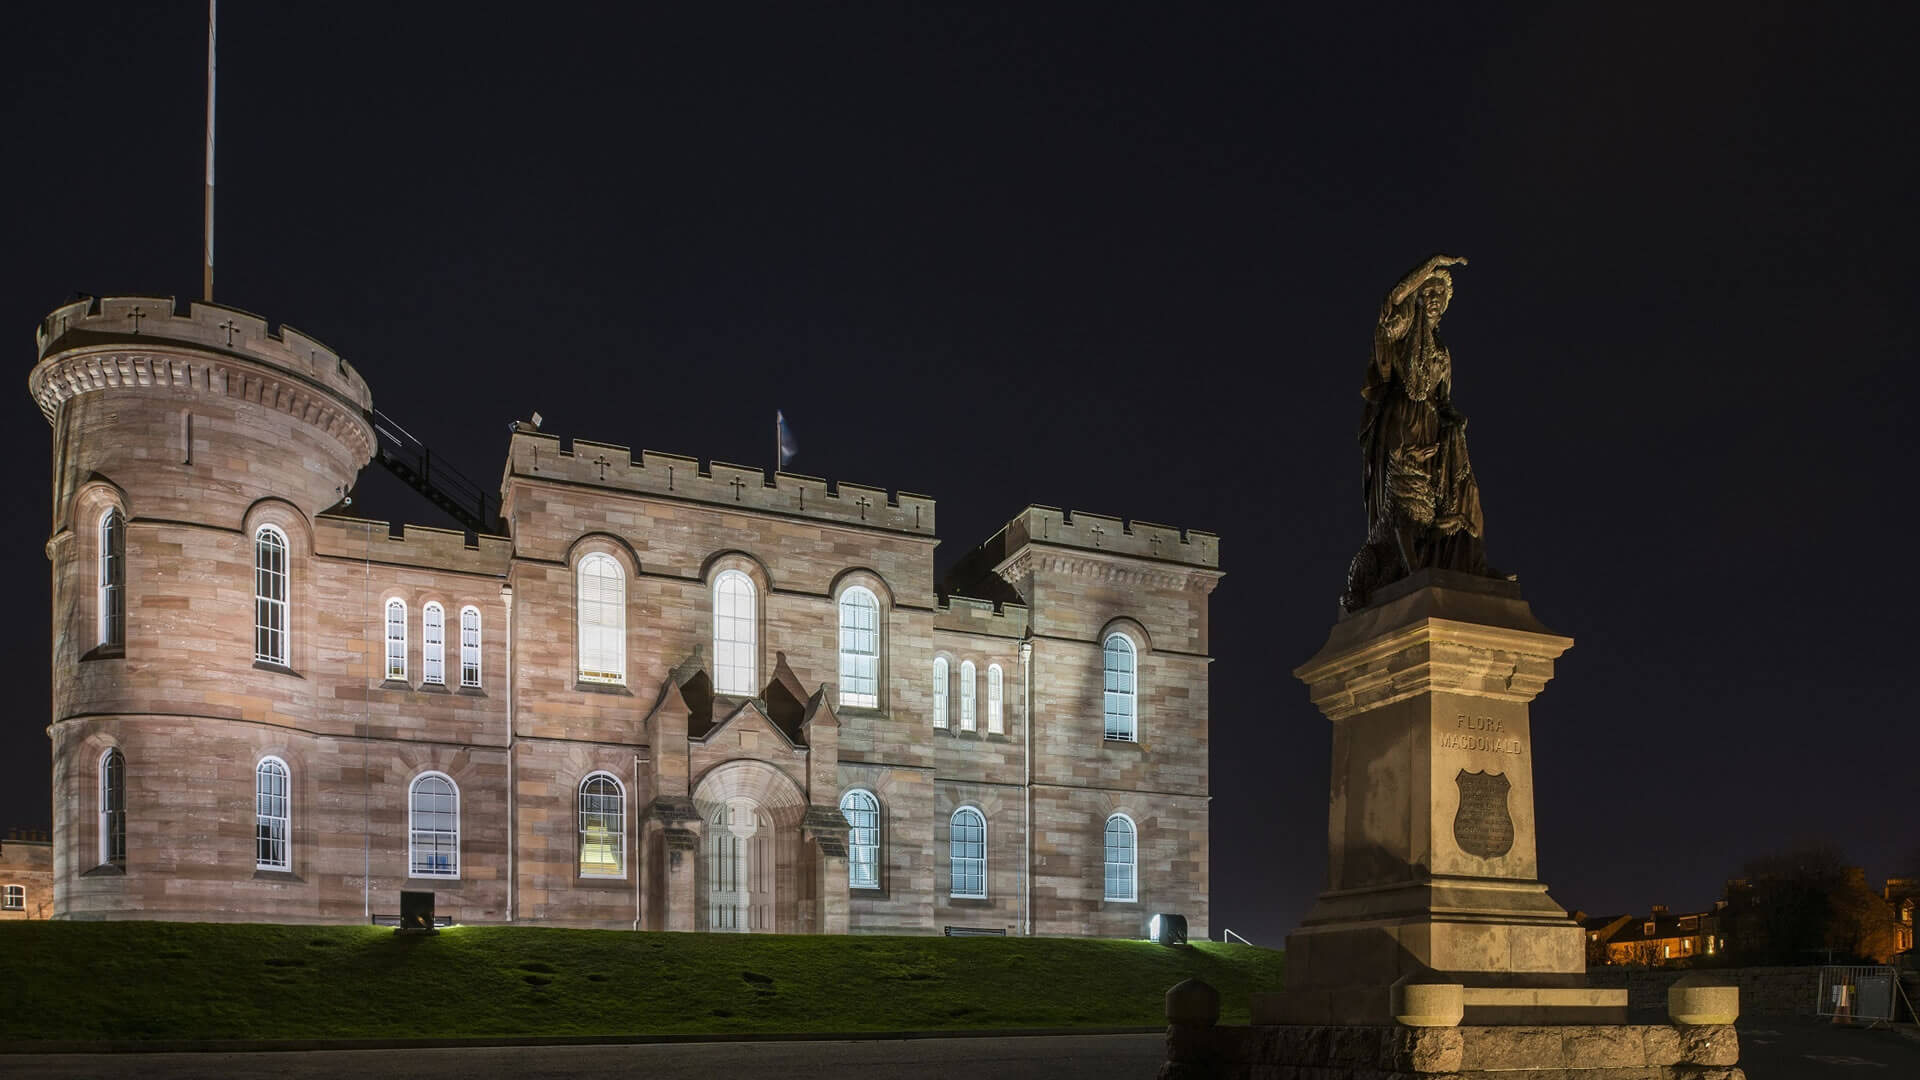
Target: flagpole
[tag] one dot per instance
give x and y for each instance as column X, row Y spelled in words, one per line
column 776, row 442
column 213, row 14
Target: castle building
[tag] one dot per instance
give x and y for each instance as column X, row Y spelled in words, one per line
column 665, row 697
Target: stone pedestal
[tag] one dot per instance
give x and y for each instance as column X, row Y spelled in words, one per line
column 1431, row 866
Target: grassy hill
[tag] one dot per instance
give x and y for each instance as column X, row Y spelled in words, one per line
column 135, row 981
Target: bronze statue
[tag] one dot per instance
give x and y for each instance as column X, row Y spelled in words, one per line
column 1422, row 503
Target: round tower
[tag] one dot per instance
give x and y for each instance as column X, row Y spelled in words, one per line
column 191, row 452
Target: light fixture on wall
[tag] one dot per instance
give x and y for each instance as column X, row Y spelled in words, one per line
column 1167, row 929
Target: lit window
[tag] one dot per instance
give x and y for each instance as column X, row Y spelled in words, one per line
column 734, row 633
column 1119, row 664
column 470, row 647
column 433, row 644
column 113, row 578
column 272, row 816
column 270, row 596
column 1121, row 858
column 966, row 695
column 859, row 649
column 862, row 812
column 1649, row 928
column 996, row 722
column 433, row 833
column 603, row 620
column 16, row 899
column 113, row 808
column 939, row 691
column 396, row 641
column 967, row 852
column 603, row 827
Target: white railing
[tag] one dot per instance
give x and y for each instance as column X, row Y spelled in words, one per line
column 1228, row 935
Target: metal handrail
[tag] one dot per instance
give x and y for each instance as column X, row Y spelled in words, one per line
column 1226, row 933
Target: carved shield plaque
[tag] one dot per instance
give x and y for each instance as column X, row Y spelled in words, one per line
column 1482, row 826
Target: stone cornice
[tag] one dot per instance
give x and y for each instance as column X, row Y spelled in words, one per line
column 1432, row 655
column 70, row 373
column 1113, row 567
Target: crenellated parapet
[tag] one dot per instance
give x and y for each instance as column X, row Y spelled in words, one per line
column 416, row 545
column 1094, row 532
column 539, row 456
column 143, row 341
column 1045, row 538
column 967, row 615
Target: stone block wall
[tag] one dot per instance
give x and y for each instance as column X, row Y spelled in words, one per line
column 28, row 864
column 1764, row 991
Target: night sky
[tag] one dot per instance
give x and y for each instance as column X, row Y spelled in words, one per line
column 1122, row 260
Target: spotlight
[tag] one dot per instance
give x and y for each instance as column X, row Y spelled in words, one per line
column 1167, row 929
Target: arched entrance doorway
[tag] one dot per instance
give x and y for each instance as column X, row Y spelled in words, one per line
column 740, row 868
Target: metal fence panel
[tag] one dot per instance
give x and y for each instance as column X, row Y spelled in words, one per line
column 1856, row 993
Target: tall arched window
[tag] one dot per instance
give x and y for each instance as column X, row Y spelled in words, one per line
column 272, row 816
column 113, row 578
column 862, row 812
column 603, row 620
column 940, row 691
column 396, row 640
column 470, row 647
column 996, row 719
column 433, row 827
column 433, row 645
column 859, row 649
column 967, row 853
column 1119, row 663
column 270, row 596
column 966, row 695
column 603, row 827
column 1122, row 859
column 113, row 808
column 735, row 630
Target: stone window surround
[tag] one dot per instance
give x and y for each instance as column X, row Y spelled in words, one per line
column 260, row 769
column 412, row 828
column 90, row 503
column 14, row 898
column 877, row 886
column 588, row 549
column 580, row 792
column 983, row 858
column 297, row 532
column 1133, row 866
column 745, row 566
column 871, row 581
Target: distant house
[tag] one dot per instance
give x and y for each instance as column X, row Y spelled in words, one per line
column 1658, row 939
column 1903, row 893
column 26, row 875
column 1600, row 930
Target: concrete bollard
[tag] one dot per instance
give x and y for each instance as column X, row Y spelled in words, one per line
column 1695, row 1000
column 1193, row 1008
column 1423, row 999
column 1194, row 1003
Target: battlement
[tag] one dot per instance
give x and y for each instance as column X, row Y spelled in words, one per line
column 972, row 616
column 1145, row 539
column 539, row 456
column 137, row 320
column 416, row 545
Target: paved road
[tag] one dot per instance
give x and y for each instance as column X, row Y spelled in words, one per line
column 1093, row 1057
column 1769, row 1050
column 1802, row 1050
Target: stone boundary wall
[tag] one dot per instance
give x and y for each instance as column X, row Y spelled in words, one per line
column 1764, row 991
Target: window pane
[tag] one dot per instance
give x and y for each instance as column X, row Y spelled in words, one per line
column 435, row 828
column 602, row 828
column 734, row 634
column 113, row 809
column 113, row 578
column 859, row 649
column 396, row 640
column 940, row 691
column 270, row 597
column 967, row 851
column 1120, row 859
column 602, row 627
column 272, row 817
column 862, row 812
column 966, row 695
column 1118, row 661
column 470, row 647
column 996, row 723
column 433, row 645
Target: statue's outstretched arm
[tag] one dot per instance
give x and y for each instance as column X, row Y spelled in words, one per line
column 1414, row 280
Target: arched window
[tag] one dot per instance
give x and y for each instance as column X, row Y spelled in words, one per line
column 1122, row 858
column 967, row 852
column 1119, row 664
column 940, row 691
column 996, row 720
column 862, row 812
column 470, row 647
column 859, row 649
column 734, row 634
column 272, row 816
column 603, row 620
column 433, row 827
column 433, row 644
column 396, row 640
column 270, row 596
column 603, row 827
column 113, row 578
column 966, row 695
column 113, row 808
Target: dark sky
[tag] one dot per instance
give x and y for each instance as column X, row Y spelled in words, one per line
column 1124, row 260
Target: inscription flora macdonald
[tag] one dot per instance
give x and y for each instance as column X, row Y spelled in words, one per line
column 1480, row 733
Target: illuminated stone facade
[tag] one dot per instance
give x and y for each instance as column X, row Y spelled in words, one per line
column 246, row 733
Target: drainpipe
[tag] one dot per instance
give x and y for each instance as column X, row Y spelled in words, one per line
column 633, row 864
column 1026, row 754
column 506, row 596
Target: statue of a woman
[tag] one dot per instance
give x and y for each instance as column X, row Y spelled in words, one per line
column 1422, row 503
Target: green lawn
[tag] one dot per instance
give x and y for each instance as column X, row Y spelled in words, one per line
column 139, row 980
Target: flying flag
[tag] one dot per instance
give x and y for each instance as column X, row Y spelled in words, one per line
column 787, row 445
